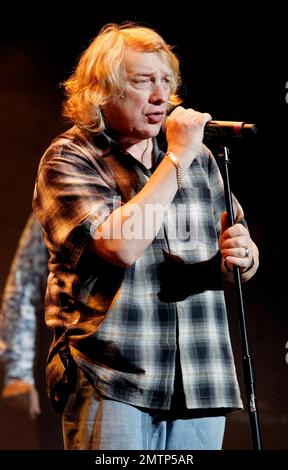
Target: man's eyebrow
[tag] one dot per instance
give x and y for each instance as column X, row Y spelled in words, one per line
column 147, row 74
column 142, row 73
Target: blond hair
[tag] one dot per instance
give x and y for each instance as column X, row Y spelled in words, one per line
column 100, row 72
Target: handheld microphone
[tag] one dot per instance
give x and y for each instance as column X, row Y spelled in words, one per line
column 231, row 128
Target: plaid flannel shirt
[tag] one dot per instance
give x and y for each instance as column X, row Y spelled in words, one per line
column 125, row 324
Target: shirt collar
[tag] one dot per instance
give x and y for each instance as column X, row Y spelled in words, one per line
column 107, row 143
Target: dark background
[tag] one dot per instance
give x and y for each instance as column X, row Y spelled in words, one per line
column 234, row 66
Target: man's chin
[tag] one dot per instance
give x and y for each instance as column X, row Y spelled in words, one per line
column 154, row 130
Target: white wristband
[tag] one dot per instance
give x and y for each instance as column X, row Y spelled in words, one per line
column 179, row 169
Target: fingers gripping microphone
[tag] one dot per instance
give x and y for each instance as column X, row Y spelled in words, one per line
column 230, row 128
column 221, row 130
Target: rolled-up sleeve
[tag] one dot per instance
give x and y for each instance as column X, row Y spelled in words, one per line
column 72, row 197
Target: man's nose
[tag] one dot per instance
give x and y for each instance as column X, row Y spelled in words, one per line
column 159, row 94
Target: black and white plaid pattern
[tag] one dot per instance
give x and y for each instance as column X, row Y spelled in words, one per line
column 119, row 330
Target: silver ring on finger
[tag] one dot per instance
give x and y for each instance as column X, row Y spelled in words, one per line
column 247, row 252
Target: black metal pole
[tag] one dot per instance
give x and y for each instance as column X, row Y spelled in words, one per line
column 247, row 363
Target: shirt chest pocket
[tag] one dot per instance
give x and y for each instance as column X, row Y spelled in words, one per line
column 189, row 221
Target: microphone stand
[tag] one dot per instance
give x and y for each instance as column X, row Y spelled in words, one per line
column 247, row 363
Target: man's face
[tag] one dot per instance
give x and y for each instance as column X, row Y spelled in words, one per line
column 138, row 114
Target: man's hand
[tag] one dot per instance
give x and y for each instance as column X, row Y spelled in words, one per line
column 237, row 247
column 184, row 133
column 21, row 395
